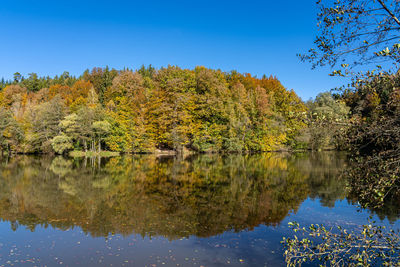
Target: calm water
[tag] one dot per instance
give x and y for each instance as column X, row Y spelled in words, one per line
column 206, row 210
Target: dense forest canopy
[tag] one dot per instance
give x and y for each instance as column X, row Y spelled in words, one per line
column 170, row 108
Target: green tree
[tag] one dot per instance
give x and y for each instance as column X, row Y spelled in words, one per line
column 34, row 83
column 61, row 143
column 86, row 117
column 17, row 77
column 70, row 126
column 328, row 119
column 101, row 78
column 101, row 129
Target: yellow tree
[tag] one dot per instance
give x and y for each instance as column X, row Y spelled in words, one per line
column 126, row 105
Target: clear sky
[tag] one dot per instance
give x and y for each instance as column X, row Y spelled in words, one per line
column 258, row 37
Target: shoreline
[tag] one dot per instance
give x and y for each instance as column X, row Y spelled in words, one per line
column 157, row 152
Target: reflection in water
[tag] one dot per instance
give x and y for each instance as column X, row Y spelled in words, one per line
column 203, row 195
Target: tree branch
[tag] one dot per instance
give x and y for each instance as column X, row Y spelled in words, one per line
column 390, row 12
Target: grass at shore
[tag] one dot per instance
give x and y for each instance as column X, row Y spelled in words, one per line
column 79, row 154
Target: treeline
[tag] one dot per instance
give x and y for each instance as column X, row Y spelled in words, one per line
column 202, row 110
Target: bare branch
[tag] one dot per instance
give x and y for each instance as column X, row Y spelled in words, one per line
column 390, row 12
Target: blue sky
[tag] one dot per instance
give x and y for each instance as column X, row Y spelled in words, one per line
column 258, row 37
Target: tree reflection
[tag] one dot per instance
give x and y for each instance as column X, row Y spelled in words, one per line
column 203, row 195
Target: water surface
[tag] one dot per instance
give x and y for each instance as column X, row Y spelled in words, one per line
column 203, row 210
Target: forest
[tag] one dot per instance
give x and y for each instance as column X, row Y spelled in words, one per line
column 201, row 110
column 174, row 109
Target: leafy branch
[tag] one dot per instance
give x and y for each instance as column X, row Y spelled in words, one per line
column 340, row 247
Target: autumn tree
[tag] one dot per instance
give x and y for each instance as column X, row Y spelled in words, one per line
column 45, row 124
column 10, row 132
column 13, row 94
column 285, row 110
column 101, row 78
column 14, row 97
column 126, row 105
column 59, row 89
column 79, row 94
column 211, row 116
column 173, row 107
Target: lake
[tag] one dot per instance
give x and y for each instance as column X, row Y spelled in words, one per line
column 144, row 210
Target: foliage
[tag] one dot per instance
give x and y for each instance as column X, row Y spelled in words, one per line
column 327, row 120
column 372, row 245
column 353, row 32
column 61, row 144
column 10, row 132
column 101, row 79
column 170, row 108
column 374, row 139
column 44, row 121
